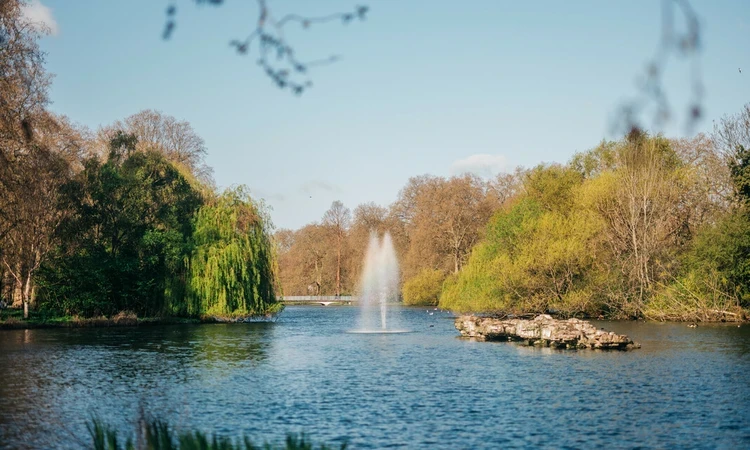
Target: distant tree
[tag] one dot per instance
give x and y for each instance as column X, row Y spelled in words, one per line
column 337, row 219
column 443, row 219
column 367, row 218
column 424, row 288
column 175, row 139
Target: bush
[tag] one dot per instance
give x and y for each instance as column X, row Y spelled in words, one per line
column 424, row 288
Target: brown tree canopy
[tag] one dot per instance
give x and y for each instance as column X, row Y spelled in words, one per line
column 175, row 139
column 433, row 224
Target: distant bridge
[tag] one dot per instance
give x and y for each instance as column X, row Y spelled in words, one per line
column 324, row 300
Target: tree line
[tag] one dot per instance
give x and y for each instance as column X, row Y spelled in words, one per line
column 434, row 224
column 641, row 227
column 126, row 218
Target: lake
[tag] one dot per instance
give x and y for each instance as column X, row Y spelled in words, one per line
column 686, row 387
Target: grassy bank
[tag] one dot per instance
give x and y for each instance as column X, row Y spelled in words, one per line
column 11, row 318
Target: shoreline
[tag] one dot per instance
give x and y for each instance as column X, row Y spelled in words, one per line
column 13, row 323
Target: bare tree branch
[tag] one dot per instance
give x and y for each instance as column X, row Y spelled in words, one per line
column 682, row 43
column 276, row 56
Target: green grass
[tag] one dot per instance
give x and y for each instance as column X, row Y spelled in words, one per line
column 11, row 318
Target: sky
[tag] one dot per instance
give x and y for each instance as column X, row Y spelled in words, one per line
column 421, row 86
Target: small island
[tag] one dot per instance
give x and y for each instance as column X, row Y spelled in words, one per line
column 543, row 331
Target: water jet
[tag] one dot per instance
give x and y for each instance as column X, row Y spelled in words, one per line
column 379, row 287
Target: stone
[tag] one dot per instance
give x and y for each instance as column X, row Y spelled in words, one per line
column 543, row 330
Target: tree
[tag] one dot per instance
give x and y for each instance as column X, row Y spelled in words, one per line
column 732, row 131
column 443, row 219
column 233, row 269
column 367, row 218
column 424, row 288
column 536, row 256
column 34, row 216
column 641, row 207
column 337, row 220
column 126, row 241
column 23, row 97
column 306, row 260
column 175, row 139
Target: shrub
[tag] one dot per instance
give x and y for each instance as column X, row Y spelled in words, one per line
column 424, row 288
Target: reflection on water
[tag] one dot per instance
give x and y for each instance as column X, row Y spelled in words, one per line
column 685, row 387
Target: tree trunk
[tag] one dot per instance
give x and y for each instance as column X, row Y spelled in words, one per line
column 338, row 270
column 26, row 296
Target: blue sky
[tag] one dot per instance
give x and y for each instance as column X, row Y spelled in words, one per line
column 422, row 87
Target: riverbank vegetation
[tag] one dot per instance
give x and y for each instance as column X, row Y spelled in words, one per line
column 642, row 227
column 121, row 223
column 127, row 220
column 159, row 435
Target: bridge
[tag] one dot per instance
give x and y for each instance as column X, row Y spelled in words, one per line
column 324, row 300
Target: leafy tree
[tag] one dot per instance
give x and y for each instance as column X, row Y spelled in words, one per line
column 739, row 167
column 125, row 245
column 233, row 269
column 534, row 258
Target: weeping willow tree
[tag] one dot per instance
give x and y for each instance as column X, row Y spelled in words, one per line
column 233, row 267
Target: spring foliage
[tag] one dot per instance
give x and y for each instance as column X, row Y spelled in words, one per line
column 424, row 288
column 232, row 270
column 143, row 237
column 625, row 230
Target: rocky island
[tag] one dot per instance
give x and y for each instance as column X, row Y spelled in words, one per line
column 543, row 331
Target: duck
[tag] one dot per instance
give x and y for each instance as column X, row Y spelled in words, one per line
column 693, row 325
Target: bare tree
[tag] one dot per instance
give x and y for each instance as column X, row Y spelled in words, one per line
column 175, row 139
column 732, row 131
column 35, row 215
column 642, row 213
column 367, row 218
column 337, row 219
column 30, row 170
column 675, row 42
column 442, row 220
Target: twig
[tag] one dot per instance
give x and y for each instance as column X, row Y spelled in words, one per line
column 276, row 56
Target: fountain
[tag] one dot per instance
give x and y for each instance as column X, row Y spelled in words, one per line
column 379, row 286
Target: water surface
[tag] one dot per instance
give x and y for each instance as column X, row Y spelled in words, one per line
column 687, row 388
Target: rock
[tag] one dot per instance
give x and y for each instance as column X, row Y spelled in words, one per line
column 543, row 331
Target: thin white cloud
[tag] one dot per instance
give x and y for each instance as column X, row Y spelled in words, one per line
column 312, row 186
column 483, row 164
column 269, row 196
column 37, row 14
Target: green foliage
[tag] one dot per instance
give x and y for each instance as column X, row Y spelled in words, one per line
column 233, row 268
column 158, row 435
column 478, row 286
column 614, row 233
column 739, row 167
column 534, row 258
column 594, row 162
column 714, row 283
column 552, row 186
column 424, row 288
column 125, row 245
